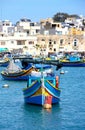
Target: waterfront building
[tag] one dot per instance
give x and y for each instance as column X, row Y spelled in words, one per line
column 62, row 43
column 45, row 37
column 49, row 27
column 6, row 28
column 30, row 28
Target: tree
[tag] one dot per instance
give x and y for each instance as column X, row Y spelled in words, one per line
column 74, row 16
column 60, row 17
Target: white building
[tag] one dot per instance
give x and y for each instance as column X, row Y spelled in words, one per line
column 25, row 25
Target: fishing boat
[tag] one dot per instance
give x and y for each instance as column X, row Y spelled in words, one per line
column 4, row 62
column 42, row 89
column 37, row 63
column 73, row 61
column 73, row 64
column 14, row 72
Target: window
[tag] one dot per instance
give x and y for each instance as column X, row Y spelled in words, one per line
column 54, row 42
column 50, row 42
column 69, row 43
column 37, row 31
column 50, row 48
column 75, row 42
column 31, row 24
column 43, row 39
column 20, row 43
column 54, row 49
column 2, row 43
column 31, row 42
column 27, row 32
column 58, row 25
column 61, row 42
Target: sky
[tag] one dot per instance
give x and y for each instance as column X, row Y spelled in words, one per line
column 35, row 10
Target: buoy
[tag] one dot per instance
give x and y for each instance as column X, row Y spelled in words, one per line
column 62, row 72
column 5, row 86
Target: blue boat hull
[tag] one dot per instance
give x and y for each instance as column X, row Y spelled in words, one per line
column 35, row 93
column 16, row 78
column 23, row 75
column 4, row 64
column 39, row 100
column 73, row 64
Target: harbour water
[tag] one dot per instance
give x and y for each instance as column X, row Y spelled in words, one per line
column 69, row 114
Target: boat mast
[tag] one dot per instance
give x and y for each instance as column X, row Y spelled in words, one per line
column 42, row 76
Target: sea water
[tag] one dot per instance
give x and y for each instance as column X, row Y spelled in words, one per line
column 69, row 114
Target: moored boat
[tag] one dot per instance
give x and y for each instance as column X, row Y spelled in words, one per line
column 73, row 61
column 4, row 62
column 42, row 90
column 73, row 64
column 14, row 72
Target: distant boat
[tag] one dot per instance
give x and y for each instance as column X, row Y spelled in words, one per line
column 39, row 62
column 73, row 64
column 73, row 61
column 14, row 72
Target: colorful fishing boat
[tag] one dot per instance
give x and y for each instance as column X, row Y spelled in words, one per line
column 14, row 72
column 73, row 64
column 73, row 61
column 42, row 89
column 4, row 62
